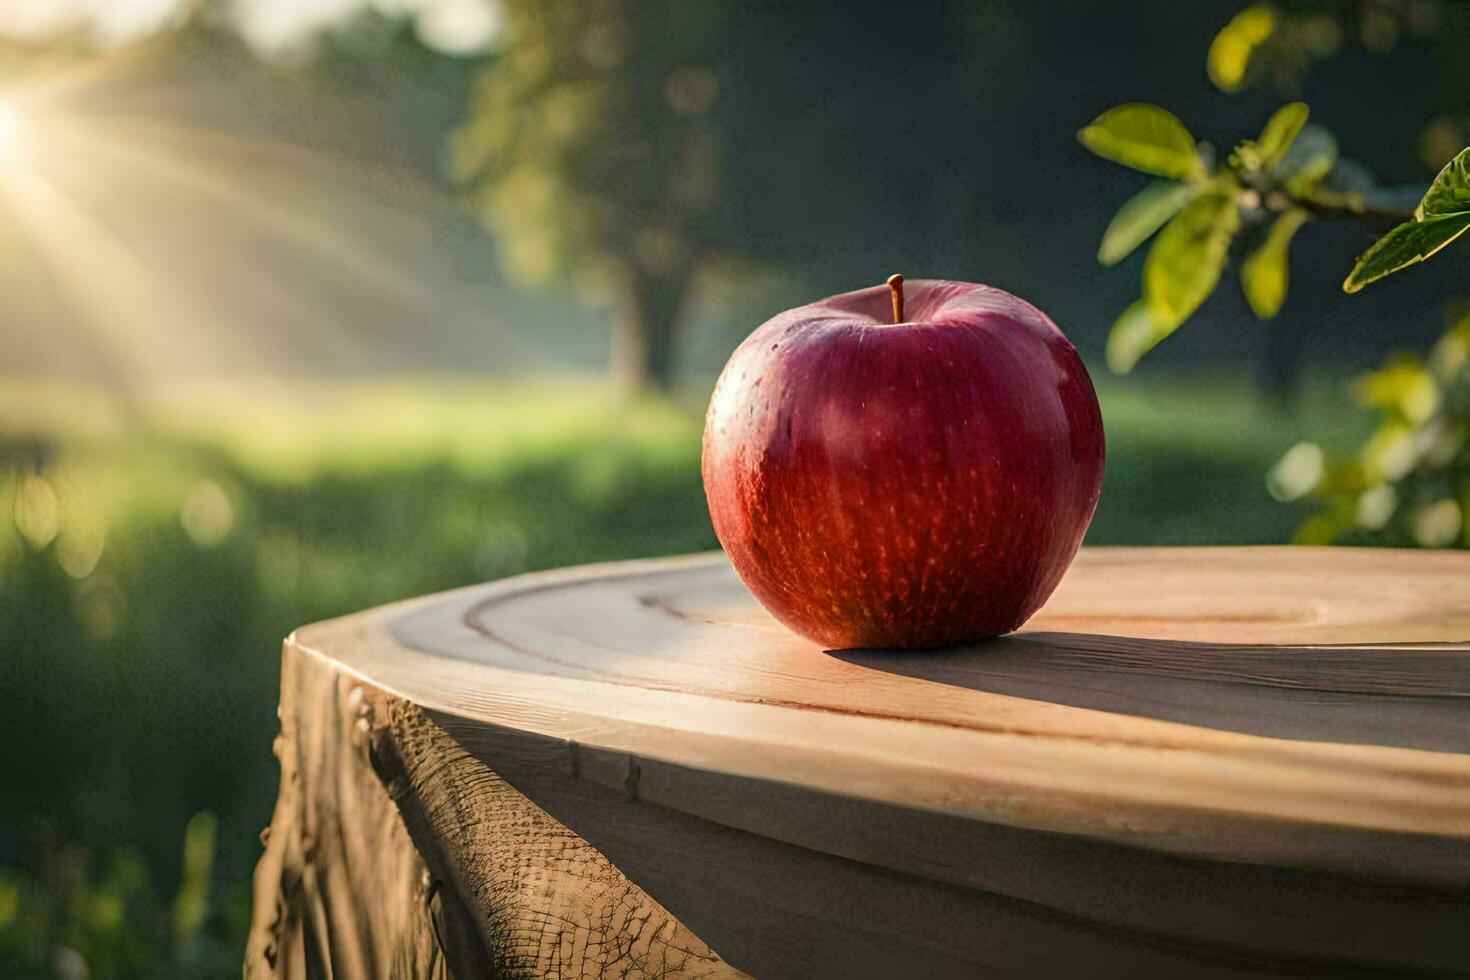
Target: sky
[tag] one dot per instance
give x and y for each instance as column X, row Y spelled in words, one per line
column 275, row 28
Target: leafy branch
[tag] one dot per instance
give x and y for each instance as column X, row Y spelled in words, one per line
column 1440, row 218
column 1269, row 186
column 1410, row 482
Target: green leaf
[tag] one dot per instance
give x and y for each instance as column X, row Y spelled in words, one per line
column 1139, row 217
column 1185, row 262
column 1263, row 275
column 1134, row 334
column 1280, row 131
column 1450, row 192
column 1309, row 159
column 1230, row 53
column 1410, row 242
column 1144, row 137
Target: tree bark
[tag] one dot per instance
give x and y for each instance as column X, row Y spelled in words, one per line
column 645, row 326
column 341, row 890
column 395, row 853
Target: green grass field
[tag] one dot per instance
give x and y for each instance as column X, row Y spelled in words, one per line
column 150, row 567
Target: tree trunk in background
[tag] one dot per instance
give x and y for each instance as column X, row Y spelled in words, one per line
column 644, row 327
column 1279, row 372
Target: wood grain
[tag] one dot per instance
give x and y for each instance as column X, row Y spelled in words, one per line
column 1192, row 761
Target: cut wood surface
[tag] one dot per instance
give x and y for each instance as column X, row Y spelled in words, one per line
column 1191, row 762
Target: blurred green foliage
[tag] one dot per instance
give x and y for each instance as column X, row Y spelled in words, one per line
column 593, row 158
column 148, row 574
column 1276, row 45
column 74, row 920
column 146, row 579
column 1409, row 483
column 1263, row 42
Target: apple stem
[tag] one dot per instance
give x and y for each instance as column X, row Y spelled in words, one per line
column 895, row 286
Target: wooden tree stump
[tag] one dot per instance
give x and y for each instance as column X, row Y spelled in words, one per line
column 1192, row 762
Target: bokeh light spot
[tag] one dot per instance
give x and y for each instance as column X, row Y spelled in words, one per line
column 100, row 606
column 1376, row 506
column 80, row 545
column 207, row 514
column 37, row 511
column 460, row 27
column 1437, row 525
column 9, row 132
column 1298, row 473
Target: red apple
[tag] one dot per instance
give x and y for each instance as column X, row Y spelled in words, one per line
column 879, row 483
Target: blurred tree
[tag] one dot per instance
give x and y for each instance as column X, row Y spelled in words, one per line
column 594, row 160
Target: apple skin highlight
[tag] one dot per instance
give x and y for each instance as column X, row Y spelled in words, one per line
column 916, row 484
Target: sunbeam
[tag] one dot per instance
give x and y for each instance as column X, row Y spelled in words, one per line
column 174, row 248
column 9, row 131
column 140, row 160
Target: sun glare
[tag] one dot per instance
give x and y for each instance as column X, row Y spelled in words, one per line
column 9, row 131
column 162, row 243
